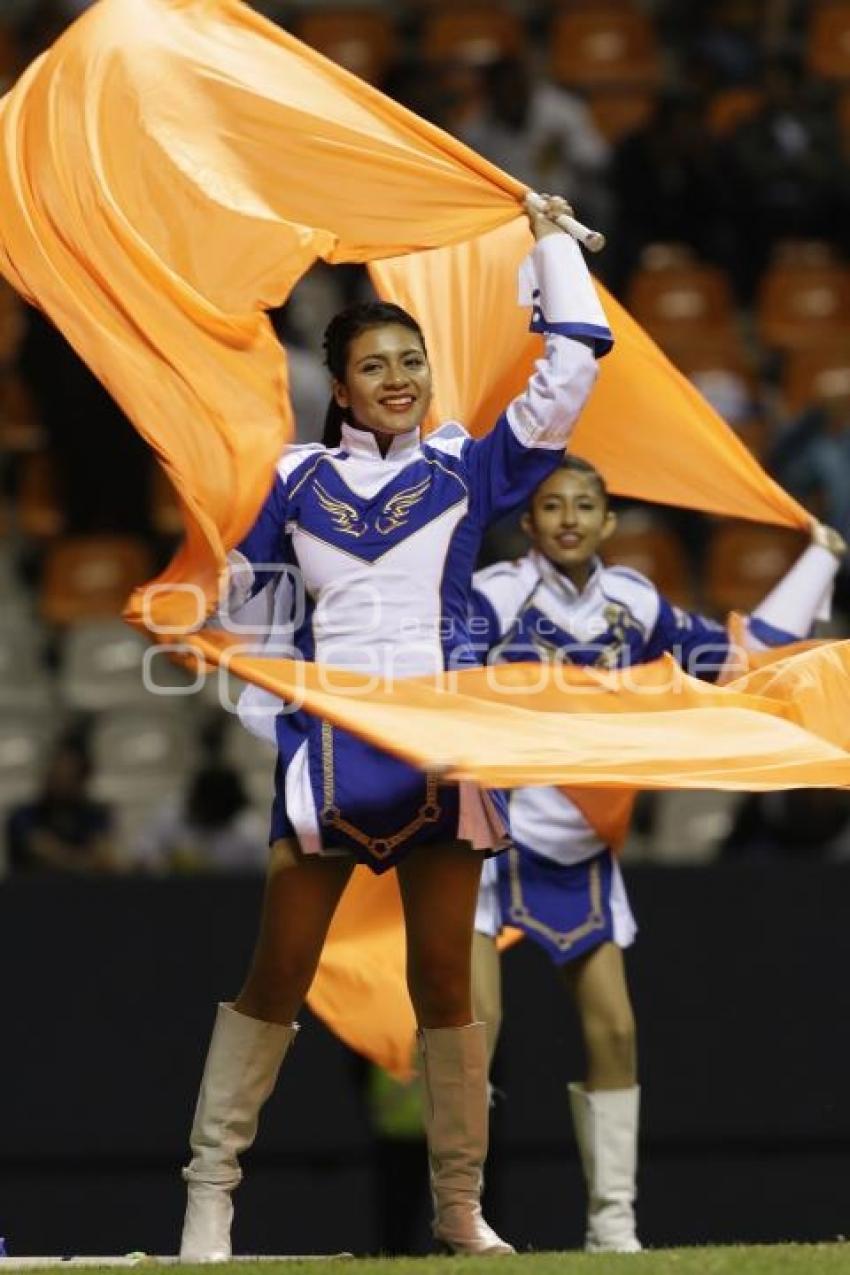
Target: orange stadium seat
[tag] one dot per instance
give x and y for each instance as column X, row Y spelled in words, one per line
column 655, row 552
column 814, row 375
column 20, row 427
column 744, row 562
column 828, row 41
column 682, row 301
column 361, row 40
column 618, row 112
column 40, row 512
column 843, row 111
column 473, row 33
column 730, row 107
column 604, row 47
column 755, row 435
column 802, row 305
column 90, row 577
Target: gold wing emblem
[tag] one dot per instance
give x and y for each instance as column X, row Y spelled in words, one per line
column 396, row 511
column 345, row 516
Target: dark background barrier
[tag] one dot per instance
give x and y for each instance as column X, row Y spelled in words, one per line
column 740, row 978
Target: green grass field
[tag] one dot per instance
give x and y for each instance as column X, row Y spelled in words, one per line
column 787, row 1259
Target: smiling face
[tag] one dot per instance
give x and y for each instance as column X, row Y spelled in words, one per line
column 387, row 386
column 568, row 520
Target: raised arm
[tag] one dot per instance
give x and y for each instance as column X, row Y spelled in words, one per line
column 527, row 441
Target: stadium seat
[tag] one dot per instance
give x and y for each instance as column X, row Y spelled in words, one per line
column 813, row 375
column 680, row 301
column 25, row 740
column 618, row 112
column 803, row 305
column 141, row 754
column 90, row 577
column 654, row 551
column 828, row 39
column 361, row 40
column 40, row 512
column 730, row 107
column 604, row 46
column 744, row 562
column 755, row 434
column 25, row 684
column 102, row 667
column 474, row 33
column 21, row 430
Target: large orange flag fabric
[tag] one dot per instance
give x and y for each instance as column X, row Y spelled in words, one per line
column 645, row 427
column 169, row 170
column 785, row 724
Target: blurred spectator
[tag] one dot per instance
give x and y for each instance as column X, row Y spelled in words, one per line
column 784, row 169
column 62, row 830
column 543, row 136
column 728, row 393
column 804, row 823
column 666, row 187
column 212, row 829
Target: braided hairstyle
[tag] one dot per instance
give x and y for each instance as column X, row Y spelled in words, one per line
column 340, row 332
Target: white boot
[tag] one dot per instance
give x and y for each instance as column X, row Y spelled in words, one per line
column 454, row 1069
column 606, row 1126
column 244, row 1058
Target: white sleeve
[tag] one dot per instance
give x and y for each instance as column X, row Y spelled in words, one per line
column 556, row 283
column 792, row 606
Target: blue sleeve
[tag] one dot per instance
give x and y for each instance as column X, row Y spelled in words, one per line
column 504, row 472
column 484, row 627
column 527, row 442
column 264, row 544
column 700, row 645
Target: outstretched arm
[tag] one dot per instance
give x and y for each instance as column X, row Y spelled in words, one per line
column 789, row 611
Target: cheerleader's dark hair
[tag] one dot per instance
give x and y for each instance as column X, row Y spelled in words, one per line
column 340, row 332
column 576, row 465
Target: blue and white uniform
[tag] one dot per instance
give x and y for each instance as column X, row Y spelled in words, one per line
column 559, row 882
column 382, row 550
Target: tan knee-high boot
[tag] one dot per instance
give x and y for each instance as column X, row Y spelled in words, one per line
column 606, row 1127
column 454, row 1067
column 242, row 1064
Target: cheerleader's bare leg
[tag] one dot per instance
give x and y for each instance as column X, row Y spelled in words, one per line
column 251, row 1037
column 439, row 888
column 605, row 1107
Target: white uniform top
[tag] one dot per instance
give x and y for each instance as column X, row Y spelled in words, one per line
column 530, row 610
column 371, row 556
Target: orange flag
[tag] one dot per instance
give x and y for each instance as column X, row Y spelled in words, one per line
column 170, row 169
column 785, row 724
column 645, row 427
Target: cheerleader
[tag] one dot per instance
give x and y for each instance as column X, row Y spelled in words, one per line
column 376, row 531
column 560, row 883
